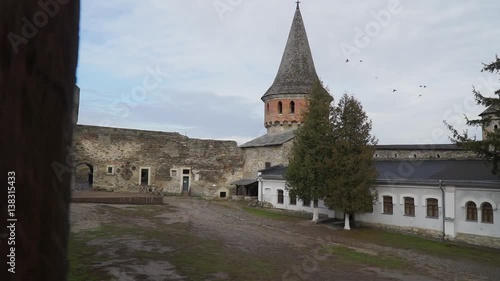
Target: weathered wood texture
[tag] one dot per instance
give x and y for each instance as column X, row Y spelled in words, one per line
column 39, row 50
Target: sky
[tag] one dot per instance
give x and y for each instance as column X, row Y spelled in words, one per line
column 200, row 67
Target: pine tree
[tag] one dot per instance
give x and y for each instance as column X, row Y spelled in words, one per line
column 489, row 147
column 307, row 171
column 352, row 172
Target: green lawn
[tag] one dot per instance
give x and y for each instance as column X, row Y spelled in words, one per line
column 272, row 214
column 424, row 245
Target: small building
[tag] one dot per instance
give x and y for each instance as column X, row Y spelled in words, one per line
column 455, row 199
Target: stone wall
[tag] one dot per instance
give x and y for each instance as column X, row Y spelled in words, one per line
column 423, row 154
column 118, row 155
column 404, row 229
column 256, row 157
column 481, row 240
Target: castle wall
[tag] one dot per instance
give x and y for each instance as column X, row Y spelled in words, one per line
column 424, row 154
column 209, row 165
column 256, row 157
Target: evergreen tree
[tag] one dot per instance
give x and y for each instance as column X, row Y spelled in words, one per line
column 307, row 170
column 489, row 147
column 352, row 172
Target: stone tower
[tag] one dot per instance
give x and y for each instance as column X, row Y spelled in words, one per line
column 285, row 101
column 490, row 112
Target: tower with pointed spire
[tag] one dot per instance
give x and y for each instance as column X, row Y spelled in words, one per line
column 285, row 102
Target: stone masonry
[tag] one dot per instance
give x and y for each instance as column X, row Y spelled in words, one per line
column 118, row 156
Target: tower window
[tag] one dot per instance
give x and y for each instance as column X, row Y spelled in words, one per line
column 280, row 107
column 495, row 127
column 267, row 107
column 292, row 107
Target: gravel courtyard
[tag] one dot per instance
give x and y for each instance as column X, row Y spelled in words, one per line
column 193, row 239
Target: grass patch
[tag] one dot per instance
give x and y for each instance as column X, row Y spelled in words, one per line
column 351, row 256
column 426, row 246
column 273, row 214
column 80, row 258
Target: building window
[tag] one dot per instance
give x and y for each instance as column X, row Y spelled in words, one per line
column 471, row 211
column 293, row 200
column 388, row 205
column 173, row 173
column 280, row 196
column 495, row 127
column 110, row 170
column 292, row 107
column 267, row 107
column 185, row 172
column 280, row 107
column 306, row 203
column 486, row 213
column 438, row 156
column 409, row 206
column 268, row 165
column 414, row 155
column 432, row 208
column 395, row 155
column 376, row 155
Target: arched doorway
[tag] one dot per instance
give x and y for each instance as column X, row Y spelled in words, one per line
column 84, row 176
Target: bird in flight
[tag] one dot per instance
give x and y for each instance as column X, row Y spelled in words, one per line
column 347, row 60
column 394, row 90
column 360, row 60
column 423, row 86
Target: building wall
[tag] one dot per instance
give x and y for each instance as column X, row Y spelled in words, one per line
column 491, row 126
column 268, row 192
column 456, row 225
column 419, row 223
column 256, row 157
column 423, row 154
column 212, row 164
column 273, row 116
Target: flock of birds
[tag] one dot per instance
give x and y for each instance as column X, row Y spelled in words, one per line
column 394, row 90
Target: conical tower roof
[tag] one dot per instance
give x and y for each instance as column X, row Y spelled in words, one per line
column 296, row 74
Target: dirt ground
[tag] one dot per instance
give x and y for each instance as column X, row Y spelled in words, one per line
column 193, row 239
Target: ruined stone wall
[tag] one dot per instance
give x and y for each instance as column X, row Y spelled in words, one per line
column 423, row 154
column 256, row 157
column 211, row 165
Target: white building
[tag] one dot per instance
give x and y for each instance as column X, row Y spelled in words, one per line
column 455, row 199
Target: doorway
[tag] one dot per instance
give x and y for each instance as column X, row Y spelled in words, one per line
column 144, row 177
column 84, row 176
column 185, row 183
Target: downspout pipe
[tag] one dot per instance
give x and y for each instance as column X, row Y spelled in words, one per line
column 443, row 205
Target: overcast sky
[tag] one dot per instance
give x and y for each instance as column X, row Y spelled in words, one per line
column 200, row 67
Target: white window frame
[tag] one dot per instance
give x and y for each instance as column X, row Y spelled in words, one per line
column 149, row 174
column 112, row 170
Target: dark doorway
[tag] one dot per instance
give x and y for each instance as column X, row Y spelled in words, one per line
column 84, row 176
column 145, row 176
column 185, row 184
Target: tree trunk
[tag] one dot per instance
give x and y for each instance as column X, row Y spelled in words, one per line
column 39, row 43
column 347, row 226
column 315, row 214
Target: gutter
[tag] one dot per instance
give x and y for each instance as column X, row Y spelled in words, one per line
column 443, row 205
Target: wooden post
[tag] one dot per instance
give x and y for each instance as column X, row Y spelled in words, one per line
column 38, row 58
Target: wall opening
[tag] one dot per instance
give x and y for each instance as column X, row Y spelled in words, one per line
column 280, row 107
column 84, row 176
column 292, row 107
column 144, row 176
column 222, row 194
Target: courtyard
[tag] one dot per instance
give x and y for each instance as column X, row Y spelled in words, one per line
column 195, row 239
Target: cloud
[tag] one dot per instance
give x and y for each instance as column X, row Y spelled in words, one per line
column 218, row 69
